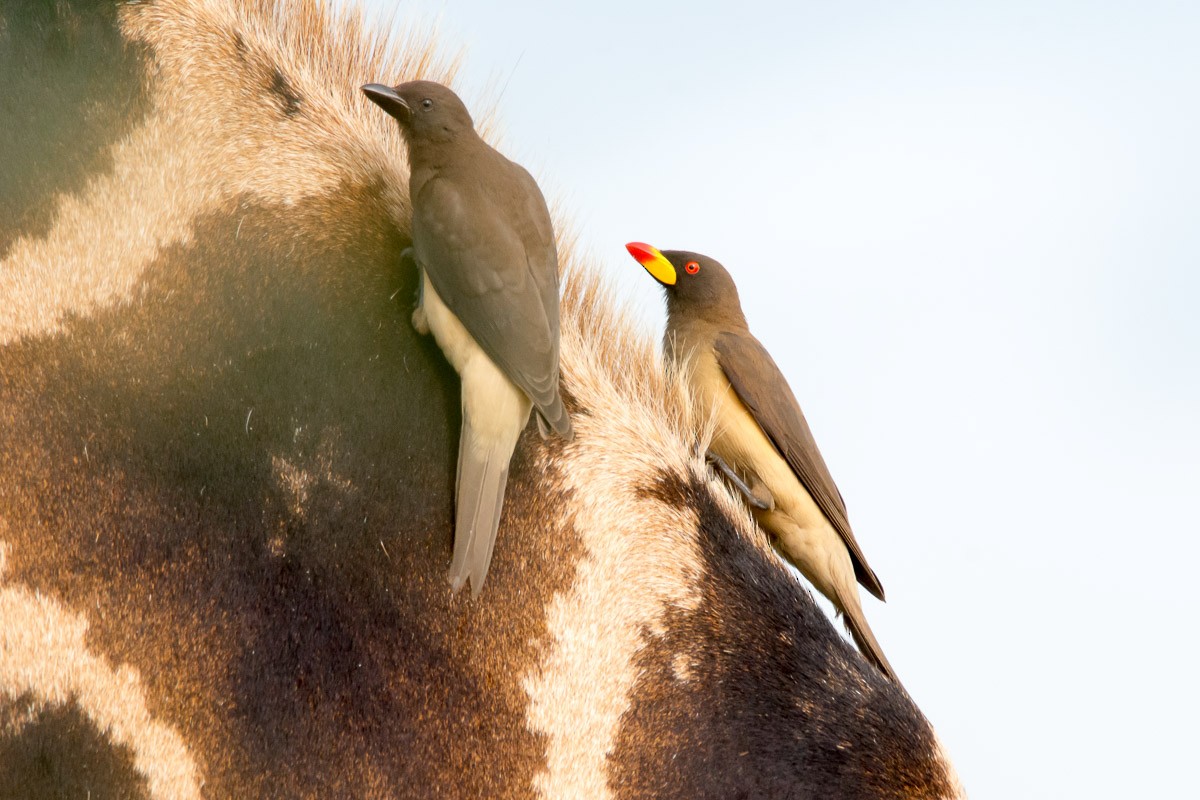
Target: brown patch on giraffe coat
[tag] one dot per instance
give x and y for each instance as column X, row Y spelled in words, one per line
column 79, row 90
column 852, row 732
column 52, row 751
column 334, row 615
column 47, row 665
column 289, row 98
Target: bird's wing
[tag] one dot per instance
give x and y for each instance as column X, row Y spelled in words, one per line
column 489, row 272
column 536, row 229
column 763, row 390
column 531, row 220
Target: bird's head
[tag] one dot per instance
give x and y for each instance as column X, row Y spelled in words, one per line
column 426, row 111
column 695, row 284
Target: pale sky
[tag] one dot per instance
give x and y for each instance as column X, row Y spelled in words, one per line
column 970, row 235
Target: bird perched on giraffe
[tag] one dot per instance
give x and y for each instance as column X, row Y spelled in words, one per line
column 762, row 441
column 484, row 243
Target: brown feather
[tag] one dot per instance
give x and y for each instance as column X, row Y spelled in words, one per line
column 760, row 385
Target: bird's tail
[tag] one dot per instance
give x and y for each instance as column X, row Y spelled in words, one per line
column 860, row 631
column 482, row 475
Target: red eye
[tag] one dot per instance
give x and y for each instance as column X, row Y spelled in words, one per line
column 692, row 267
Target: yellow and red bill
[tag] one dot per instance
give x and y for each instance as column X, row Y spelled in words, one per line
column 654, row 262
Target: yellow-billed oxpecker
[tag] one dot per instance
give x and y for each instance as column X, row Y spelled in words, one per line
column 483, row 240
column 762, row 441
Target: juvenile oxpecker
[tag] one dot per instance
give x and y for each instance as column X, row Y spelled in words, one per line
column 484, row 242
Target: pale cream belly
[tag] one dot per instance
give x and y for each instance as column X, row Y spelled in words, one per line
column 496, row 408
column 802, row 530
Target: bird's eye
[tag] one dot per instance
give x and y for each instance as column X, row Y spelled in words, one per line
column 692, row 267
column 426, row 104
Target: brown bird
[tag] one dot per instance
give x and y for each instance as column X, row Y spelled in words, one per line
column 761, row 433
column 483, row 239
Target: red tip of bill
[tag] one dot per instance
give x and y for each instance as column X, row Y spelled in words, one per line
column 641, row 251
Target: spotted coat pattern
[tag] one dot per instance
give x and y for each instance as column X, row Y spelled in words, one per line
column 226, row 470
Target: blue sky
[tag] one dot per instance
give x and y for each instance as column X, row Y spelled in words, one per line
column 970, row 236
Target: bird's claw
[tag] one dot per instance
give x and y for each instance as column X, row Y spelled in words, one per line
column 759, row 497
column 420, row 321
